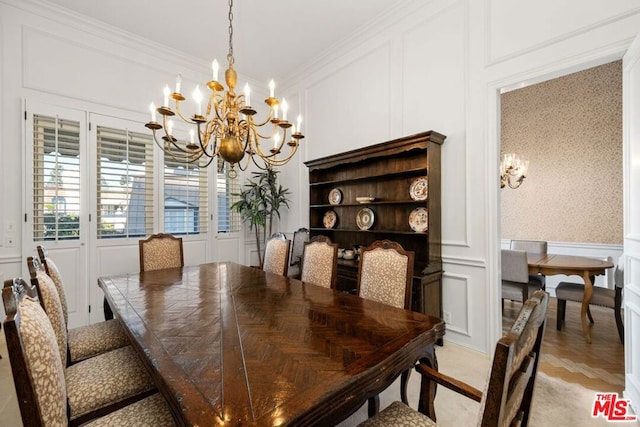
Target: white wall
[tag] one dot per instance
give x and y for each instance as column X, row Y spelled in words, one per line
column 440, row 65
column 430, row 65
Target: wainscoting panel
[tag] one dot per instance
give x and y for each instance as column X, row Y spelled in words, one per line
column 456, row 302
column 227, row 249
column 120, row 259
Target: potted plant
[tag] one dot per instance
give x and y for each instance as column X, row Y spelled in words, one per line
column 260, row 200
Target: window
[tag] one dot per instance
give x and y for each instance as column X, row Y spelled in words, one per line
column 228, row 221
column 185, row 197
column 125, row 183
column 56, row 178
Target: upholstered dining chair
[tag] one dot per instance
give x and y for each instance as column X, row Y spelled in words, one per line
column 300, row 237
column 507, row 396
column 320, row 262
column 532, row 247
column 604, row 297
column 516, row 283
column 385, row 274
column 276, row 254
column 82, row 342
column 51, row 394
column 160, row 251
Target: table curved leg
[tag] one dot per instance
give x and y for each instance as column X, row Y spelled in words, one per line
column 428, row 387
column 586, row 300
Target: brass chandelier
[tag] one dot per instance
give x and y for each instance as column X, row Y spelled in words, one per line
column 227, row 128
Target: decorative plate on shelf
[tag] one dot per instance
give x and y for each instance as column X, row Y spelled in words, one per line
column 330, row 219
column 419, row 189
column 365, row 218
column 335, row 196
column 419, row 220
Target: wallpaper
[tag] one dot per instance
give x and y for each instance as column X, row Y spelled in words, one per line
column 570, row 129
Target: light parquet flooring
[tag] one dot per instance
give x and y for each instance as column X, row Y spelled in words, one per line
column 598, row 366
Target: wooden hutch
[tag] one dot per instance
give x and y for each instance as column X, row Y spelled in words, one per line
column 403, row 177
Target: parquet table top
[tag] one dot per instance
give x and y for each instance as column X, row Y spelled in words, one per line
column 233, row 345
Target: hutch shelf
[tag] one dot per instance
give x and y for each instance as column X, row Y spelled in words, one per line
column 402, row 177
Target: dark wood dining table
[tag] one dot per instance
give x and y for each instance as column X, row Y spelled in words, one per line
column 232, row 345
column 585, row 267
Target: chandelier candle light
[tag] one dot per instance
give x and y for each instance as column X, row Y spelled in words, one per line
column 513, row 170
column 227, row 127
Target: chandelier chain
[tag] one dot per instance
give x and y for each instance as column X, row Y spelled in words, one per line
column 230, row 58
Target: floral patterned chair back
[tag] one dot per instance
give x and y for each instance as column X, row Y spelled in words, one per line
column 161, row 251
column 33, row 349
column 50, row 302
column 276, row 254
column 320, row 262
column 385, row 273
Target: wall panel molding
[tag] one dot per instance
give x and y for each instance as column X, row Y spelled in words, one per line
column 458, row 284
column 466, row 261
column 68, row 19
column 40, row 47
column 493, row 59
column 351, row 81
column 449, row 112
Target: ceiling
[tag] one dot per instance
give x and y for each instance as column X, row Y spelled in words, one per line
column 271, row 39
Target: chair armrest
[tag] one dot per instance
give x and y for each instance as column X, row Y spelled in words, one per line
column 450, row 382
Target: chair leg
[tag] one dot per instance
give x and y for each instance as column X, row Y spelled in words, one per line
column 589, row 314
column 617, row 310
column 620, row 325
column 404, row 380
column 108, row 314
column 562, row 307
column 374, row 405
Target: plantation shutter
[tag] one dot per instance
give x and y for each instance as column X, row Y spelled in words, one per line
column 185, row 197
column 56, row 178
column 228, row 220
column 125, row 183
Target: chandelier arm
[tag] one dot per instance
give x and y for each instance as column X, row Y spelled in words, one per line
column 215, row 104
column 264, row 167
column 283, row 161
column 267, row 120
column 209, row 160
column 179, row 113
column 170, row 140
column 203, row 146
column 275, row 151
column 247, row 163
column 275, row 130
column 180, row 157
column 259, row 151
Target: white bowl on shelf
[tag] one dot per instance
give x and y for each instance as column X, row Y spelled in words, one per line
column 363, row 199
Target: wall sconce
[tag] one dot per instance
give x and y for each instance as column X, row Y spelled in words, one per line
column 513, row 170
